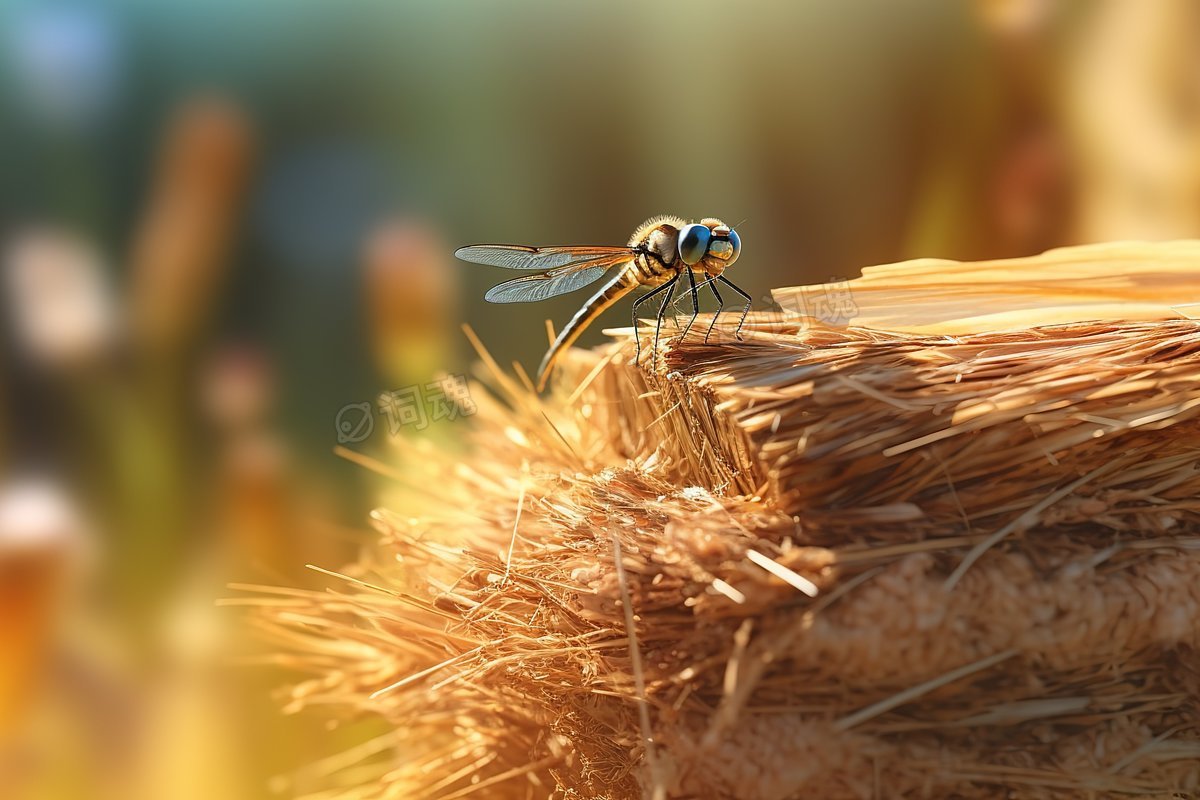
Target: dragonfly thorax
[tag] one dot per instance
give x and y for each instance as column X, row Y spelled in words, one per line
column 663, row 243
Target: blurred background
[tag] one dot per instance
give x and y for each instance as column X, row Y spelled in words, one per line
column 226, row 250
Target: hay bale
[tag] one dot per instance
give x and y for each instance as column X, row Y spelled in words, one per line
column 956, row 560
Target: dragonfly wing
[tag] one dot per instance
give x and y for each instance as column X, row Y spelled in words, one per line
column 511, row 256
column 531, row 288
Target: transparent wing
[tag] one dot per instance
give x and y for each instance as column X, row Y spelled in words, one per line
column 513, row 256
column 531, row 288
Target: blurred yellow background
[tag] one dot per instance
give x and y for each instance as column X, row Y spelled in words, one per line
column 227, row 230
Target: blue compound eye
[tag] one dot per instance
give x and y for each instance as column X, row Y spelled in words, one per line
column 736, row 241
column 693, row 243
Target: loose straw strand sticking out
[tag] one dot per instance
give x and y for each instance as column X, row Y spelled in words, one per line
column 658, row 787
column 512, row 542
column 908, row 695
column 1026, row 519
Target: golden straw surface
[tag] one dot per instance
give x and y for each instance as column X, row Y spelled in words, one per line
column 858, row 562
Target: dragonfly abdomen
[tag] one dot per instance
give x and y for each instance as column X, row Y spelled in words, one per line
column 621, row 284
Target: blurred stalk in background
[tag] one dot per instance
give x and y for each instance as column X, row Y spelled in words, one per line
column 1130, row 105
column 42, row 539
column 178, row 260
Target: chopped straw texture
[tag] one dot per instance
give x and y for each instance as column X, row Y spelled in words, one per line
column 954, row 553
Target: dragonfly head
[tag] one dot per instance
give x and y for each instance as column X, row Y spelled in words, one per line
column 710, row 241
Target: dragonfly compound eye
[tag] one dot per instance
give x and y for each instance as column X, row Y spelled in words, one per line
column 693, row 243
column 736, row 241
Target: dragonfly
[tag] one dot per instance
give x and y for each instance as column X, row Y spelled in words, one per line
column 662, row 253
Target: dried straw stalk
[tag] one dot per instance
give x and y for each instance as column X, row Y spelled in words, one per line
column 821, row 563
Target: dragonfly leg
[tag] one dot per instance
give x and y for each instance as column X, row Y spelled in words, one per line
column 745, row 309
column 675, row 309
column 695, row 302
column 710, row 283
column 662, row 311
column 669, row 285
